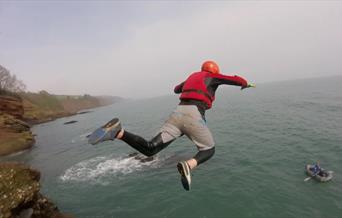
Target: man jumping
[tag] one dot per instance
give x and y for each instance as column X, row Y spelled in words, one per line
column 197, row 93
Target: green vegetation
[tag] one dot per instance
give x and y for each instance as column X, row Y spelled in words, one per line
column 43, row 100
column 43, row 106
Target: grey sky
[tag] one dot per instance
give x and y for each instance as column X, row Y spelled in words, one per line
column 143, row 49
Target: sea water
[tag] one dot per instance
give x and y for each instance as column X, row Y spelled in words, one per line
column 264, row 137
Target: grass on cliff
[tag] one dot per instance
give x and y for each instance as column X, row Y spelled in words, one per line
column 43, row 104
column 43, row 100
column 57, row 102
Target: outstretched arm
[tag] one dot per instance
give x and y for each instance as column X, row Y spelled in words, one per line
column 220, row 79
column 178, row 88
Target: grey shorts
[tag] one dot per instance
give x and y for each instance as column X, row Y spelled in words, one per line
column 187, row 120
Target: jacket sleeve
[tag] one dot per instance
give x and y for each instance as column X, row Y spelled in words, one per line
column 178, row 88
column 229, row 80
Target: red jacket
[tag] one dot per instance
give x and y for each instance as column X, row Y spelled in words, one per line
column 202, row 86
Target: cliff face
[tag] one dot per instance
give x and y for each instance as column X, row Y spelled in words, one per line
column 19, row 194
column 12, row 106
column 34, row 108
column 15, row 134
column 19, row 184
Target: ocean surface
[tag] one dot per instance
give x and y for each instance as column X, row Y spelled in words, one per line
column 264, row 137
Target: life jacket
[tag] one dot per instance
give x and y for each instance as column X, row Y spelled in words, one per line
column 195, row 88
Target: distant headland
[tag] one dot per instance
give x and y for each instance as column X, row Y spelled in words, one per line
column 19, row 110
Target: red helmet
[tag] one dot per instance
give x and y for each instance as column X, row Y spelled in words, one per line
column 210, row 66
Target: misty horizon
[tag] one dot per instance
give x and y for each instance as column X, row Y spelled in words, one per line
column 171, row 90
column 143, row 49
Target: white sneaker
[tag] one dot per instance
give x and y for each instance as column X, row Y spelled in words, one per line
column 184, row 170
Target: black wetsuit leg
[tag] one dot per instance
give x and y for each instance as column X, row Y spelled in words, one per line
column 205, row 155
column 148, row 148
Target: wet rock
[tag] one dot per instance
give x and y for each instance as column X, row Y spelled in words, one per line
column 133, row 154
column 19, row 193
column 26, row 213
column 70, row 122
column 147, row 159
column 142, row 158
column 84, row 112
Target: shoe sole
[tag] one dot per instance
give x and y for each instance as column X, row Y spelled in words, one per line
column 184, row 180
column 181, row 169
column 112, row 124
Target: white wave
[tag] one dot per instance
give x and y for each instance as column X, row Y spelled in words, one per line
column 99, row 168
column 84, row 136
column 80, row 138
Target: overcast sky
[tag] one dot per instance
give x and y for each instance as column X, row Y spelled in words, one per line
column 145, row 48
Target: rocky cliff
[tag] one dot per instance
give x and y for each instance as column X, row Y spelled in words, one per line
column 15, row 134
column 18, row 112
column 20, row 196
column 19, row 184
column 12, row 105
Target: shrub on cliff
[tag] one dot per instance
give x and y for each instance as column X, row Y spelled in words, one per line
column 43, row 100
column 10, row 83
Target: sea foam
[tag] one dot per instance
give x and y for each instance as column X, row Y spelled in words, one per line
column 99, row 169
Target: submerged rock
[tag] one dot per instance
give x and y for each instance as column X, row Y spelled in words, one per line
column 19, row 194
column 84, row 112
column 70, row 122
column 140, row 157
